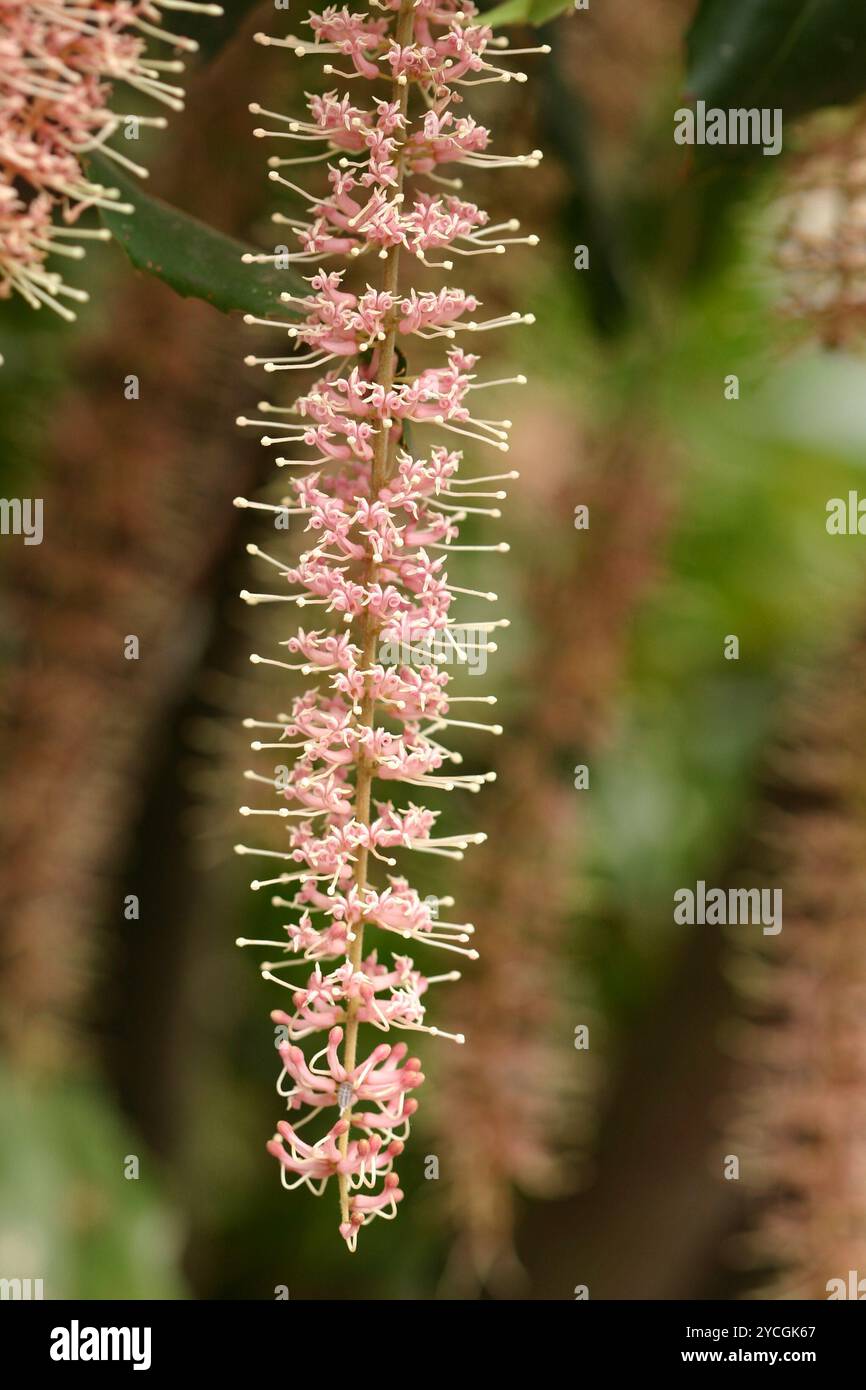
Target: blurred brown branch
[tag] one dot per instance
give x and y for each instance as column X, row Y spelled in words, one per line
column 519, row 1093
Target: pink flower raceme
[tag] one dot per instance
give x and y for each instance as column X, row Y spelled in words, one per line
column 383, row 515
column 59, row 62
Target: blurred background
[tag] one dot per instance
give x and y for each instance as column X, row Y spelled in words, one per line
column 616, row 1062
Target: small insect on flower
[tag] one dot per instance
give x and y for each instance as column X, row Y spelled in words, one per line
column 383, row 512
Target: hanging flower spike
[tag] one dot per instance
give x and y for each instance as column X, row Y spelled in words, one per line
column 383, row 524
column 59, row 60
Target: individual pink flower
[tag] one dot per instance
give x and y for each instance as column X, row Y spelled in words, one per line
column 382, row 509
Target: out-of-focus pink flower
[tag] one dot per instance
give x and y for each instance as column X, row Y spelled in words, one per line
column 59, row 63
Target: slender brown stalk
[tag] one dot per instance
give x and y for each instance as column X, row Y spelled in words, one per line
column 369, row 627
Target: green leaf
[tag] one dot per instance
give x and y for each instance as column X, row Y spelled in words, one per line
column 795, row 54
column 67, row 1211
column 194, row 259
column 526, row 11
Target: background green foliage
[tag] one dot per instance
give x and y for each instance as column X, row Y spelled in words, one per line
column 678, row 296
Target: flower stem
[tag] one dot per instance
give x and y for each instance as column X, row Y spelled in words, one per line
column 369, row 628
